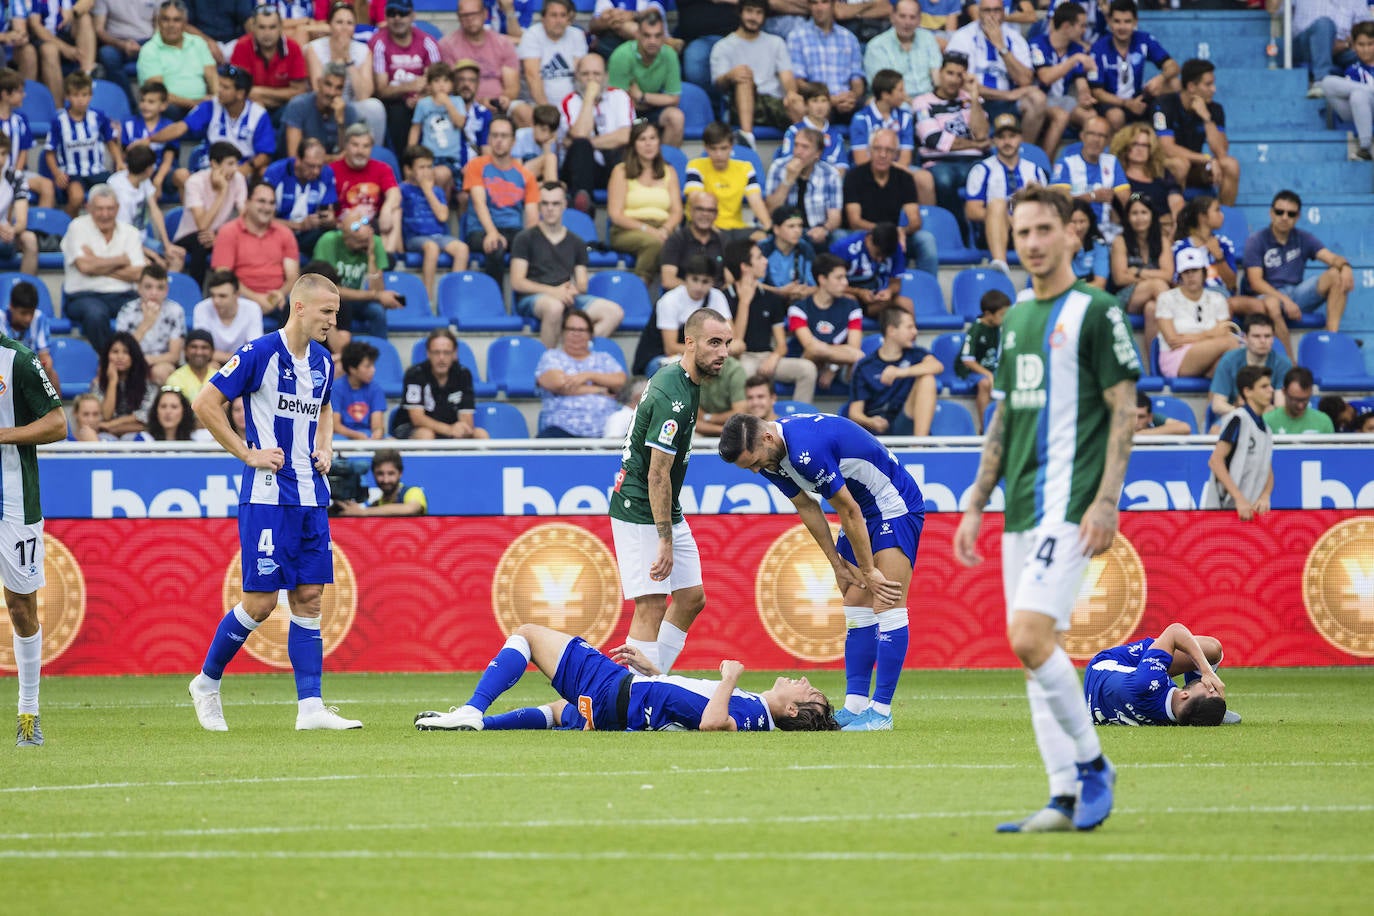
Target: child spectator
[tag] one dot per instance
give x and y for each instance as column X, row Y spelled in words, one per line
column 212, row 197
column 874, row 259
column 231, row 320
column 893, row 389
column 194, row 374
column 359, row 404
column 138, row 207
column 817, row 100
column 789, row 256
column 827, row 326
column 152, row 103
column 537, row 146
column 732, row 182
column 1092, row 261
column 983, row 347
column 889, row 109
column 15, row 236
column 85, row 422
column 15, row 125
column 82, row 149
column 23, row 322
column 438, row 123
column 156, row 322
column 424, row 217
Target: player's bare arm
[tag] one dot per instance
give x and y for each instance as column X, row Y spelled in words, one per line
column 716, row 716
column 635, row 660
column 209, row 409
column 1099, row 522
column 989, row 472
column 883, row 589
column 846, row 576
column 661, row 505
column 1176, row 639
column 51, row 427
column 323, row 455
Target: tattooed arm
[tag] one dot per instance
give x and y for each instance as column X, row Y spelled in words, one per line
column 1099, row 522
column 989, row 472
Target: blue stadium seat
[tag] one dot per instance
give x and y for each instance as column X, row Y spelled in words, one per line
column 39, row 108
column 696, row 110
column 1146, row 383
column 45, row 304
column 923, row 289
column 466, row 358
column 607, row 345
column 382, row 154
column 415, row 260
column 987, row 414
column 871, row 344
column 678, row 160
column 113, row 102
column 952, row 419
column 472, row 301
column 946, row 348
column 184, row 291
column 1175, row 409
column 584, row 227
column 389, row 371
column 429, row 28
column 1037, row 155
column 626, row 290
column 743, row 153
column 172, row 219
column 511, row 362
column 1235, row 227
column 52, row 222
column 76, row 364
column 791, row 408
column 1181, row 384
column 949, row 241
column 969, row 287
column 417, row 315
column 1335, row 360
column 501, row 421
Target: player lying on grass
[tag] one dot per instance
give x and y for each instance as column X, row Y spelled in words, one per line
column 1133, row 684
column 601, row 695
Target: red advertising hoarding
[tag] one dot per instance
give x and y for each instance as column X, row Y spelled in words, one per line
column 439, row 594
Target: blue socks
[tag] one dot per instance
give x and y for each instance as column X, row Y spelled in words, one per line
column 860, row 654
column 503, row 673
column 893, row 636
column 305, row 648
column 531, row 717
column 229, row 638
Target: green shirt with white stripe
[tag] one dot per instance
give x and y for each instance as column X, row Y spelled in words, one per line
column 1058, row 357
column 665, row 420
column 26, row 395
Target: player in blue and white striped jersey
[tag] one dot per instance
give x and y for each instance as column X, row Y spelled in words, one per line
column 82, row 149
column 285, row 381
column 231, row 116
column 881, row 513
column 601, row 695
column 1133, row 684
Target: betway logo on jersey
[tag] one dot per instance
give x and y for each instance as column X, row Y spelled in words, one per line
column 290, row 404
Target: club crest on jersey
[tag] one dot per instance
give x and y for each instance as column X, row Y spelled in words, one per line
column 1058, row 338
column 668, row 432
column 316, row 378
column 3, row 386
column 228, row 368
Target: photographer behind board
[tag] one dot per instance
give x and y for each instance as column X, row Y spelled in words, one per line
column 395, row 497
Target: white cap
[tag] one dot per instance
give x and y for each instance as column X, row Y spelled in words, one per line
column 1191, row 259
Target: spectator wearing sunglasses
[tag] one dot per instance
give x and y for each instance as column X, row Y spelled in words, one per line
column 1276, row 258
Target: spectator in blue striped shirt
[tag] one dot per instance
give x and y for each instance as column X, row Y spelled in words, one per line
column 82, row 149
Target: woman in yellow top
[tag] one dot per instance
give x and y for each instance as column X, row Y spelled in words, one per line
column 643, row 201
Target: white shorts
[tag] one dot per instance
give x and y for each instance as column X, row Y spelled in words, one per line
column 1042, row 571
column 21, row 557
column 636, row 546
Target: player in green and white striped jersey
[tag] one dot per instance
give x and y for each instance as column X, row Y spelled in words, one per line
column 1060, row 435
column 30, row 415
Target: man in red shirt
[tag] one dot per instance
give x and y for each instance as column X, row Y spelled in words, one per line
column 276, row 63
column 363, row 182
column 400, row 56
column 260, row 251
column 499, row 89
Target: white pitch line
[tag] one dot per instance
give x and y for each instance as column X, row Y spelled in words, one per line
column 621, row 823
column 498, row 855
column 674, row 771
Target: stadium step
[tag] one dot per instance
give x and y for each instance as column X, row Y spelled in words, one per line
column 1260, row 148
column 1258, row 83
column 1319, row 214
column 1315, row 178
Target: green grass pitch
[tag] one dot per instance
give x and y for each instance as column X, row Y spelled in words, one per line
column 131, row 808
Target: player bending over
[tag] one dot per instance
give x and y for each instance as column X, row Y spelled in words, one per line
column 1133, row 684
column 600, row 695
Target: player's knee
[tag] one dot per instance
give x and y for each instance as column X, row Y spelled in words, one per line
column 1033, row 645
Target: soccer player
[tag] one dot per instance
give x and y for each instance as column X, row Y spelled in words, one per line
column 33, row 415
column 881, row 514
column 285, row 380
column 654, row 546
column 600, row 695
column 1133, row 684
column 1060, row 435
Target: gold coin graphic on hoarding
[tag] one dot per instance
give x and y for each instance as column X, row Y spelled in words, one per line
column 61, row 605
column 338, row 607
column 798, row 601
column 1111, row 601
column 561, row 576
column 1338, row 586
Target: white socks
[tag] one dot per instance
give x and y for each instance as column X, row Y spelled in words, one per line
column 519, row 644
column 248, row 622
column 28, row 657
column 670, row 643
column 310, row 704
column 1056, row 747
column 648, row 647
column 1058, row 678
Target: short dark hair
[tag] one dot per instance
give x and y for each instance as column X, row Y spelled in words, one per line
column 755, row 381
column 784, row 213
column 1067, row 14
column 77, row 81
column 10, row 81
column 153, row 87
column 884, row 81
column 254, row 184
column 1288, row 195
column 738, row 253
column 220, row 278
column 1124, row 6
column 139, row 159
column 1301, row 375
column 809, row 91
column 1193, row 70
column 1143, row 400
column 414, row 154
column 757, row 4
column 153, row 272
column 994, row 300
column 955, row 58
column 546, row 116
column 740, row 434
column 716, row 133
column 890, row 317
column 566, row 4
column 812, row 716
column 24, row 295
column 386, row 456
column 356, row 353
column 221, row 150
column 1248, row 377
column 826, row 263
column 886, row 238
column 439, row 71
column 1362, row 30
column 1202, row 709
column 1258, row 321
column 1054, row 198
column 436, row 333
column 697, row 265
